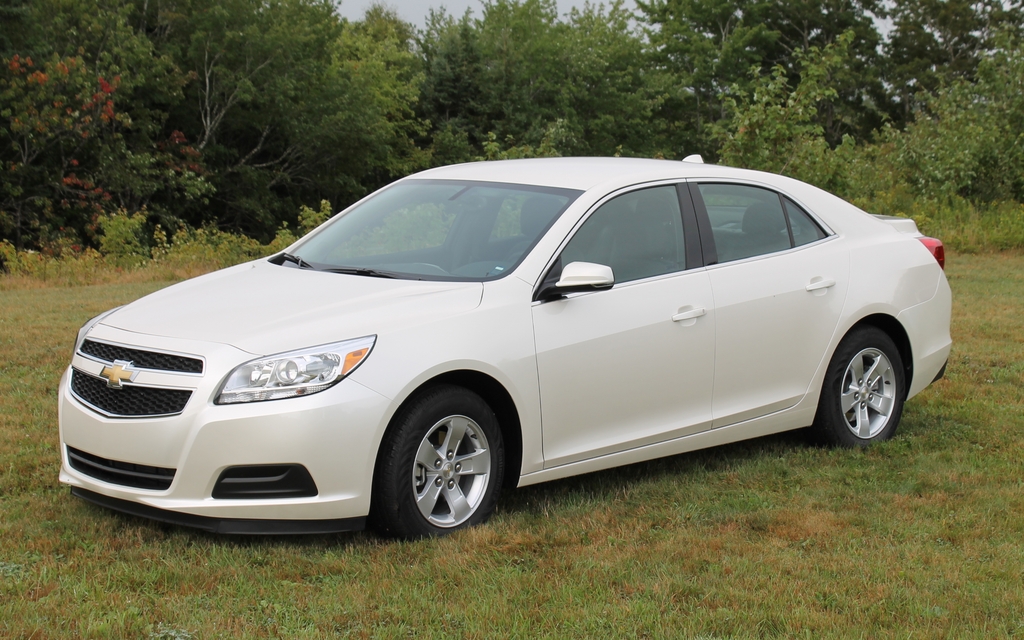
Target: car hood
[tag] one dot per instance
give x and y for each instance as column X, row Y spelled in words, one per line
column 264, row 308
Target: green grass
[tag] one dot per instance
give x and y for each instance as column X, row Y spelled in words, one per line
column 920, row 537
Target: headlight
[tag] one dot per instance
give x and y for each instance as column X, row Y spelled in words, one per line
column 296, row 373
column 87, row 327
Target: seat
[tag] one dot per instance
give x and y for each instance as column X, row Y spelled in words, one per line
column 763, row 231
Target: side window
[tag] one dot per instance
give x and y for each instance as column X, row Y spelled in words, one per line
column 805, row 230
column 745, row 221
column 638, row 235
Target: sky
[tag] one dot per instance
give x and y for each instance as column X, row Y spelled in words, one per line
column 415, row 11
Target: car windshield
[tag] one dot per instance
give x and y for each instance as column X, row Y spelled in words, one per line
column 436, row 230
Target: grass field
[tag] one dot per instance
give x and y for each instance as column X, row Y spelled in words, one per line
column 920, row 537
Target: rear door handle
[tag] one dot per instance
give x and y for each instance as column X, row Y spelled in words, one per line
column 820, row 283
column 689, row 315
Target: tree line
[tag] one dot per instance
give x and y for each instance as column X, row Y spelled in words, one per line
column 234, row 114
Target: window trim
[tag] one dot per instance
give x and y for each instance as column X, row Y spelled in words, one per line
column 691, row 239
column 804, row 211
column 706, row 233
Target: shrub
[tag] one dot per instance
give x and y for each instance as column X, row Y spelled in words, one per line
column 123, row 240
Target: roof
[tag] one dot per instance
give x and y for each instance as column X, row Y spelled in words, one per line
column 576, row 173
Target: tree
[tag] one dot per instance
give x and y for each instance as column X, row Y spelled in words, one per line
column 132, row 159
column 519, row 73
column 967, row 141
column 939, row 41
column 773, row 126
column 453, row 89
column 521, row 44
column 609, row 96
column 706, row 47
column 52, row 115
column 709, row 46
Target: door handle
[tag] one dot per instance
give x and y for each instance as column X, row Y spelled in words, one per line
column 820, row 283
column 689, row 315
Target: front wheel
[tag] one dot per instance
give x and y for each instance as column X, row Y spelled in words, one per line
column 441, row 466
column 862, row 396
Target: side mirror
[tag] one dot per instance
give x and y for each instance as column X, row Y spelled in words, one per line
column 577, row 277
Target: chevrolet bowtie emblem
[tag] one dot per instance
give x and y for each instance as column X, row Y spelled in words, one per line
column 120, row 372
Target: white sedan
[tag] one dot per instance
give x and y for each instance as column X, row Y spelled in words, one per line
column 501, row 324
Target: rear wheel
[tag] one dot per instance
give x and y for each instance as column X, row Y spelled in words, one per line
column 441, row 466
column 862, row 396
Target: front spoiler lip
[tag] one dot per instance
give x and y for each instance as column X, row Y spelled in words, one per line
column 229, row 526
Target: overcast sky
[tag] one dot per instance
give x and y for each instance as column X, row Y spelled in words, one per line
column 415, row 11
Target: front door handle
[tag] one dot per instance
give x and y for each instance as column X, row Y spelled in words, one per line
column 689, row 315
column 820, row 283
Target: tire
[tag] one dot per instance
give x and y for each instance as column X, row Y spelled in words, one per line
column 428, row 484
column 854, row 411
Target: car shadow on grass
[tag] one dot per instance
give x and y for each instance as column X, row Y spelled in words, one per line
column 605, row 484
column 546, row 499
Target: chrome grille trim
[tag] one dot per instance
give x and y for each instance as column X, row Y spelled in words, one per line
column 150, row 359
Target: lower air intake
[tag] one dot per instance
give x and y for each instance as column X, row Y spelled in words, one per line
column 127, row 474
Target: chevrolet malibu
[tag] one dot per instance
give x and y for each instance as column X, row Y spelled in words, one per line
column 501, row 324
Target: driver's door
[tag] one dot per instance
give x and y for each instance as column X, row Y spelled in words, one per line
column 632, row 365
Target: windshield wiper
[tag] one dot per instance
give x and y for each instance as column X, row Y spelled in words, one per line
column 288, row 257
column 361, row 271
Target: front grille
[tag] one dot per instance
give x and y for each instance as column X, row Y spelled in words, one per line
column 142, row 359
column 128, row 474
column 129, row 401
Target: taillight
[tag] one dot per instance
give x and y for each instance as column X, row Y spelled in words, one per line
column 934, row 245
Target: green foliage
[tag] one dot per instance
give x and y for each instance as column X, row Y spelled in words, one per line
column 773, row 126
column 969, row 140
column 373, row 126
column 127, row 243
column 521, row 76
column 82, row 267
column 453, row 89
column 705, row 46
column 709, row 46
column 124, row 240
column 259, row 92
column 233, row 115
column 50, row 116
column 935, row 42
column 555, row 136
column 609, row 92
column 310, row 219
column 117, row 154
column 957, row 170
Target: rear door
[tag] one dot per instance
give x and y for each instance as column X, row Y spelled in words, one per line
column 779, row 286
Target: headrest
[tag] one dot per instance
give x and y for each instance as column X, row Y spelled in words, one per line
column 762, row 218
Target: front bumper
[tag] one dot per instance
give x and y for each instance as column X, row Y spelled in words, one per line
column 333, row 434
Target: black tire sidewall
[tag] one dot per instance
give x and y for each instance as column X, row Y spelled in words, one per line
column 829, row 422
column 393, row 509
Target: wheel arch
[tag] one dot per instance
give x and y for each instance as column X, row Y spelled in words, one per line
column 894, row 329
column 497, row 398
